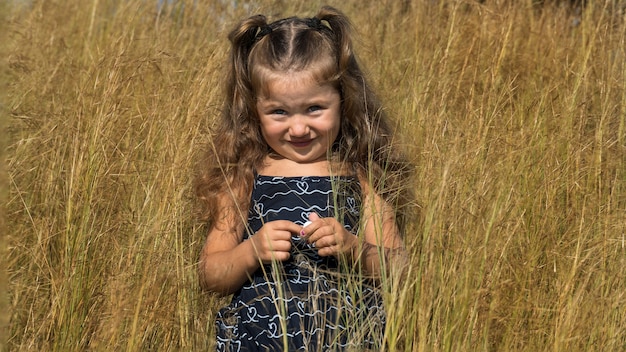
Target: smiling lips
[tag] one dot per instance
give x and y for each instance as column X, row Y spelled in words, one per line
column 301, row 144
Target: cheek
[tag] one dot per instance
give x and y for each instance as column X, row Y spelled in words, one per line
column 270, row 130
column 265, row 133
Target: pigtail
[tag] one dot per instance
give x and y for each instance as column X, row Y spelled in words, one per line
column 228, row 167
column 360, row 108
column 239, row 93
column 242, row 38
column 342, row 31
column 240, row 112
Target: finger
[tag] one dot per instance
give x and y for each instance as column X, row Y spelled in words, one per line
column 276, row 250
column 294, row 228
column 280, row 225
column 279, row 256
column 327, row 251
column 313, row 216
column 321, row 232
column 302, row 232
column 325, row 241
column 283, row 232
column 279, row 246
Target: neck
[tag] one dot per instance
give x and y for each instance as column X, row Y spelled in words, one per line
column 278, row 166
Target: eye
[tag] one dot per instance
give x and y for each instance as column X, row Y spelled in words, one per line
column 278, row 112
column 314, row 108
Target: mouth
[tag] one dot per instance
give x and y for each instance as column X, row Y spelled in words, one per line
column 301, row 144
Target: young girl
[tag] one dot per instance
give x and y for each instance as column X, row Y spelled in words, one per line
column 301, row 191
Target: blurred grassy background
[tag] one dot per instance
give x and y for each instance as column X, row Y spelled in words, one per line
column 514, row 114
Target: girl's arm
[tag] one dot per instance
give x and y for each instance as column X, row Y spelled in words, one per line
column 218, row 270
column 227, row 262
column 381, row 247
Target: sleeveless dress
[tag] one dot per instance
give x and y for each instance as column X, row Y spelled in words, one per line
column 309, row 302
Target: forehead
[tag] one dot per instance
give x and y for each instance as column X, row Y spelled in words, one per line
column 297, row 93
column 285, row 82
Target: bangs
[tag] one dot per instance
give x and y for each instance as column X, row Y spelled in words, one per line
column 321, row 72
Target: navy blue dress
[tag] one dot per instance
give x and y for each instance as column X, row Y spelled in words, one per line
column 308, row 303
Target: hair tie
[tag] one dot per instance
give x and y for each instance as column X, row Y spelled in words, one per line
column 315, row 23
column 265, row 30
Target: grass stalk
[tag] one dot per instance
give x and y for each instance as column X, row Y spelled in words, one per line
column 513, row 112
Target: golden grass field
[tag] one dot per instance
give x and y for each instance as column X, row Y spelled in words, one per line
column 514, row 116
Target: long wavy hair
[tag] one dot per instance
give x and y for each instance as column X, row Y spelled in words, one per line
column 320, row 47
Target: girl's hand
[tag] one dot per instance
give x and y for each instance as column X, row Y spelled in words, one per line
column 329, row 237
column 273, row 241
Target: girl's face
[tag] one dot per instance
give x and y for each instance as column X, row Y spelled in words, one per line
column 300, row 119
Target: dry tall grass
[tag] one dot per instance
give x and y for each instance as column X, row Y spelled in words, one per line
column 516, row 119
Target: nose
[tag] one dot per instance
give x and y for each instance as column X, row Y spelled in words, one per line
column 298, row 127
